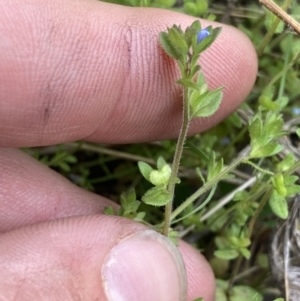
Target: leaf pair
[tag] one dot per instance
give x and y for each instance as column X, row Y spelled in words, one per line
column 263, row 133
column 157, row 195
column 284, row 187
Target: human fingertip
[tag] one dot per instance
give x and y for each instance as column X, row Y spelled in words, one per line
column 144, row 266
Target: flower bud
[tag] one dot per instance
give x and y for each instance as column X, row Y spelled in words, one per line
column 202, row 34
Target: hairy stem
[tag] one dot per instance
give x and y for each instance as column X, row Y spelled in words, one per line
column 176, row 161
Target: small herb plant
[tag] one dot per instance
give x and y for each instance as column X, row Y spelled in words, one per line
column 198, row 101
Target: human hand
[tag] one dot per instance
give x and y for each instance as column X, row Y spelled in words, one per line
column 83, row 69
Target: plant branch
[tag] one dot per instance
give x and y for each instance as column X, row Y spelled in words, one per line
column 243, row 156
column 281, row 14
column 221, row 203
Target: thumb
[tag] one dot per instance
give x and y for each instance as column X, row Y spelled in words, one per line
column 90, row 258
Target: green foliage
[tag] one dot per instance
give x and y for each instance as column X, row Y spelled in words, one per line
column 214, row 167
column 238, row 292
column 145, row 169
column 264, row 129
column 157, row 196
column 129, row 207
column 278, row 204
column 269, row 21
column 232, row 243
column 195, row 8
column 205, row 104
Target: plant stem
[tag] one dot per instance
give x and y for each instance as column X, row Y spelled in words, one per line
column 176, row 161
column 236, row 268
column 243, row 156
column 281, row 14
column 262, row 204
column 282, row 72
column 263, row 171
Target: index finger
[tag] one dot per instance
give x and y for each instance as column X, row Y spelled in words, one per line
column 73, row 70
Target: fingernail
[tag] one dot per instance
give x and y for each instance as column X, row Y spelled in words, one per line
column 144, row 266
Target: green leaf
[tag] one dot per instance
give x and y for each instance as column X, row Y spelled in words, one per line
column 286, row 163
column 177, row 39
column 273, row 125
column 245, row 293
column 163, row 3
column 187, row 83
column 298, row 132
column 109, row 211
column 226, row 254
column 221, row 290
column 194, row 70
column 161, row 177
column 235, row 120
column 213, row 167
column 174, row 237
column 161, row 162
column 255, row 128
column 207, row 104
column 195, row 27
column 191, row 32
column 200, row 175
column 244, row 242
column 145, row 169
column 64, row 166
column 129, row 203
column 157, row 196
column 221, row 242
column 245, row 252
column 293, row 189
column 168, row 47
column 202, row 6
column 279, row 205
column 270, row 149
column 140, row 217
column 201, row 80
column 190, row 8
column 71, row 159
column 289, row 180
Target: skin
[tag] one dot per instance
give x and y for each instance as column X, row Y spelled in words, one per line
column 82, row 69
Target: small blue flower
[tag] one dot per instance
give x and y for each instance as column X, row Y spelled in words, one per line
column 203, row 33
column 296, row 111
